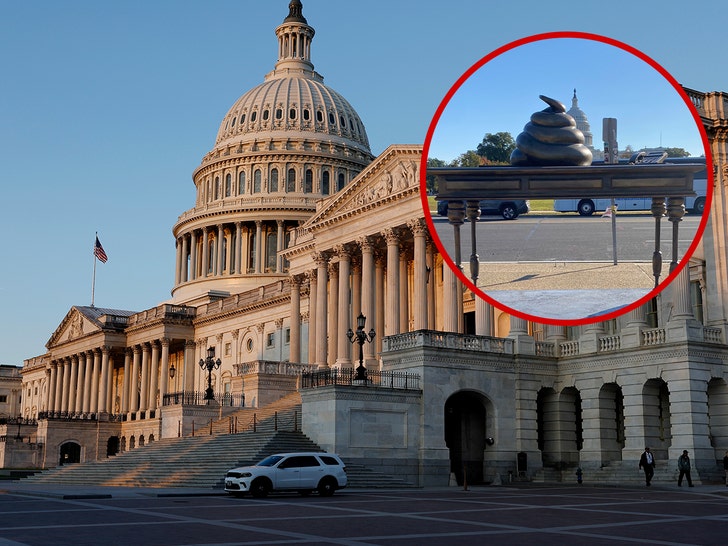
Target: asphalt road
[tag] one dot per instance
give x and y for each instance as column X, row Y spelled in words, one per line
column 559, row 237
column 524, row 514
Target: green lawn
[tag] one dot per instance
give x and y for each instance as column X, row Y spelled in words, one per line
column 536, row 204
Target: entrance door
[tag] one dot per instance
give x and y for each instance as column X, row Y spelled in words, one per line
column 465, row 436
column 70, row 453
column 112, row 446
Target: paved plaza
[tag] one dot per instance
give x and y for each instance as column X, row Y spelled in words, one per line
column 519, row 514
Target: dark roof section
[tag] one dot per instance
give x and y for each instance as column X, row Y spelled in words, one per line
column 295, row 13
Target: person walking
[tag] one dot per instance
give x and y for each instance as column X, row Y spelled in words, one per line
column 647, row 463
column 683, row 465
column 725, row 467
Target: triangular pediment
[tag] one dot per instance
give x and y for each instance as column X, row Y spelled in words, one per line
column 393, row 175
column 79, row 322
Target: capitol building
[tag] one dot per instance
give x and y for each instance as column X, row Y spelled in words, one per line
column 297, row 234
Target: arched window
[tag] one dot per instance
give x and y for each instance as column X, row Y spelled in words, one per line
column 211, row 257
column 279, row 113
column 217, row 187
column 228, row 185
column 291, row 181
column 332, row 118
column 265, row 115
column 326, row 183
column 340, row 185
column 273, row 180
column 306, row 114
column 256, row 181
column 308, row 184
column 319, row 116
column 241, row 183
column 253, row 115
column 292, row 113
column 271, row 251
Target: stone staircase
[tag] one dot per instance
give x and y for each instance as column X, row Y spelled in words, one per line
column 283, row 414
column 244, row 437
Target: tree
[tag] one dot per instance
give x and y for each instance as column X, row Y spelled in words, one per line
column 430, row 179
column 468, row 159
column 497, row 147
column 676, row 152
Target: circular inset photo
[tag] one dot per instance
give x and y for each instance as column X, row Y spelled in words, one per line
column 566, row 178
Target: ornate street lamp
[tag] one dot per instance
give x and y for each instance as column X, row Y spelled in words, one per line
column 210, row 364
column 172, row 371
column 361, row 337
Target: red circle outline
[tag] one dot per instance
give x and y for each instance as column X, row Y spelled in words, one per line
column 708, row 163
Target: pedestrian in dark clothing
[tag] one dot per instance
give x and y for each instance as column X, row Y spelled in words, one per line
column 647, row 463
column 683, row 465
column 725, row 467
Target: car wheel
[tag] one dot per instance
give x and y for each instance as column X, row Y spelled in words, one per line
column 326, row 487
column 509, row 211
column 586, row 207
column 260, row 488
column 699, row 205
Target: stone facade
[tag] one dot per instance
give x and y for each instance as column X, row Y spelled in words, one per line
column 457, row 391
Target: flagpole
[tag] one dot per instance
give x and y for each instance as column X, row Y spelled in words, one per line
column 93, row 283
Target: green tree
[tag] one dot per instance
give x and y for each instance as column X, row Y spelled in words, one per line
column 468, row 159
column 430, row 179
column 497, row 147
column 676, row 152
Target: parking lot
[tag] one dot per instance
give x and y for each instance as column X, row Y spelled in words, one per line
column 564, row 515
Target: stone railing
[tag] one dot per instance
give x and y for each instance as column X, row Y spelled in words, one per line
column 545, row 348
column 165, row 310
column 447, row 340
column 713, row 335
column 610, row 343
column 267, row 201
column 273, row 367
column 654, row 336
column 569, row 348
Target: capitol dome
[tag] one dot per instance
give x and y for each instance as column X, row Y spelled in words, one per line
column 582, row 123
column 281, row 148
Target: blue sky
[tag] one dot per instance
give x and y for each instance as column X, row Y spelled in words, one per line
column 107, row 107
column 610, row 82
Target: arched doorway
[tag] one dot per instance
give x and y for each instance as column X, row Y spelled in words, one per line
column 656, row 411
column 465, row 435
column 112, row 446
column 70, row 453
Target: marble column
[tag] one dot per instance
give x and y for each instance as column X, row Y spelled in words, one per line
column 378, row 320
column 220, row 250
column 127, row 381
column 312, row 307
column 193, row 255
column 333, row 315
column 78, row 408
column 88, row 370
column 258, row 246
column 52, row 386
column 238, row 247
column 420, row 299
column 450, row 295
column 484, row 317
column 164, row 372
column 391, row 318
column 134, row 380
column 367, row 289
column 178, row 261
column 95, row 376
column 144, row 393
column 154, row 376
column 343, row 355
column 184, row 266
column 104, row 401
column 404, row 311
column 279, row 246
column 295, row 324
column 322, row 273
column 189, row 372
column 205, row 253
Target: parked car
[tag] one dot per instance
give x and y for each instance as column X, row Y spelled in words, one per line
column 510, row 210
column 302, row 472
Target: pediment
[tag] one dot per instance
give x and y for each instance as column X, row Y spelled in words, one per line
column 392, row 176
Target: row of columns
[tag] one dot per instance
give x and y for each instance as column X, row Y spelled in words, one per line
column 236, row 249
column 354, row 278
column 82, row 384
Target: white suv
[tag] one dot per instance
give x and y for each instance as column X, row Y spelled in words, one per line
column 302, row 472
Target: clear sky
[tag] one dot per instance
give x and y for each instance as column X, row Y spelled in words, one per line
column 107, row 107
column 610, row 82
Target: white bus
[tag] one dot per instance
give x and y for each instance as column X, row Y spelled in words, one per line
column 587, row 206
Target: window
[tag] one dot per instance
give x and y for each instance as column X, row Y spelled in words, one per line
column 228, row 185
column 3, row 398
column 256, row 181
column 319, row 116
column 242, row 119
column 274, row 180
column 249, row 345
column 270, row 340
column 292, row 113
column 287, row 336
column 217, row 187
column 332, row 118
column 279, row 113
column 299, row 461
column 271, row 251
column 306, row 114
column 266, row 113
column 291, row 181
column 228, row 349
column 342, row 121
column 241, row 183
column 340, row 186
column 234, row 120
column 308, row 184
column 325, row 183
column 254, row 116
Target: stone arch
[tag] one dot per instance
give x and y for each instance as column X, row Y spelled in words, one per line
column 69, row 452
column 611, row 422
column 469, row 422
column 141, row 440
column 559, row 426
column 718, row 415
column 132, row 442
column 112, row 446
column 122, row 444
column 656, row 415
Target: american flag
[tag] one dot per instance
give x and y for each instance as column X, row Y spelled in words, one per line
column 99, row 251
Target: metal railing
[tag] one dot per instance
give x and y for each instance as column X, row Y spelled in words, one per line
column 347, row 376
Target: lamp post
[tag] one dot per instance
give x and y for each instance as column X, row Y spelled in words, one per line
column 361, row 337
column 210, row 364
